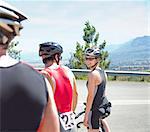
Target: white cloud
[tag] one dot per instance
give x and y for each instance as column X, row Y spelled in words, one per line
column 63, row 22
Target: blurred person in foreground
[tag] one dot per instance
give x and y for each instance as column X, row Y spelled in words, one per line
column 63, row 84
column 26, row 99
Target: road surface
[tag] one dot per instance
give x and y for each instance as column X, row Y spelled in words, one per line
column 130, row 105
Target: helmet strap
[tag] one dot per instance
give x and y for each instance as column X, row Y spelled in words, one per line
column 57, row 61
column 94, row 66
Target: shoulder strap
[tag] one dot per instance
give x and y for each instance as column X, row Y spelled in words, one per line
column 64, row 71
column 102, row 74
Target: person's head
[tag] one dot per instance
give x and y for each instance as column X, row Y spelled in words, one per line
column 92, row 56
column 10, row 23
column 50, row 52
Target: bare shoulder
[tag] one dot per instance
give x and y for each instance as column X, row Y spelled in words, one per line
column 68, row 70
column 93, row 74
column 96, row 76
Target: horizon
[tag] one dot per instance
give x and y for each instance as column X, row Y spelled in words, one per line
column 117, row 22
column 36, row 60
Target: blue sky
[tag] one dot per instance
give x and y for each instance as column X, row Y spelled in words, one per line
column 63, row 21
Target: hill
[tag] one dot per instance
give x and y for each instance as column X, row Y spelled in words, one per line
column 132, row 53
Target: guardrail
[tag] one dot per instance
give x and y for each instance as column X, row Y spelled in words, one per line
column 112, row 72
column 116, row 73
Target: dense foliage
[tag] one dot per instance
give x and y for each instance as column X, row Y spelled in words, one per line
column 90, row 38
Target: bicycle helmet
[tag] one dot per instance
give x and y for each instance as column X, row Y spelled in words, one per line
column 93, row 52
column 49, row 49
column 10, row 22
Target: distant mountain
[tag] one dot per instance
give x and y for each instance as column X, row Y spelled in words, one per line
column 33, row 58
column 131, row 52
column 112, row 47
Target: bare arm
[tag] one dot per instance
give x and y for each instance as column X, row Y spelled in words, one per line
column 50, row 121
column 91, row 88
column 105, row 125
column 90, row 97
column 75, row 95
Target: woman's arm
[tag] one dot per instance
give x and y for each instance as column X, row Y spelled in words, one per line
column 105, row 125
column 91, row 87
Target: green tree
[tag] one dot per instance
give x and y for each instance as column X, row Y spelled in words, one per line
column 90, row 38
column 13, row 52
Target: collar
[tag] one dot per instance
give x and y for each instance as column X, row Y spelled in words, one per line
column 54, row 66
column 6, row 61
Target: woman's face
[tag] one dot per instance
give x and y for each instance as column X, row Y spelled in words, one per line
column 90, row 61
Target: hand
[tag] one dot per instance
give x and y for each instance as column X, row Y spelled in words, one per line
column 85, row 122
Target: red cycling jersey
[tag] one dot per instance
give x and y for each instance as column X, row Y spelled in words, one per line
column 63, row 91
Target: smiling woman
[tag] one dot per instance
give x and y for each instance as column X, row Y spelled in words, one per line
column 97, row 104
column 92, row 57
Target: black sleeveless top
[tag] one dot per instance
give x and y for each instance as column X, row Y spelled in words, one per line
column 23, row 97
column 99, row 90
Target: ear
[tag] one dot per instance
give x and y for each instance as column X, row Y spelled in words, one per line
column 56, row 57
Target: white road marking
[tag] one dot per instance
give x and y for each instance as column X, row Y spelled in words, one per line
column 130, row 102
column 126, row 102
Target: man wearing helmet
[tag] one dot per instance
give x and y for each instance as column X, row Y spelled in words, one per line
column 25, row 104
column 63, row 84
column 96, row 90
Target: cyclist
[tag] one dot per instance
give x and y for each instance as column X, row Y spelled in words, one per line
column 96, row 89
column 25, row 104
column 63, row 84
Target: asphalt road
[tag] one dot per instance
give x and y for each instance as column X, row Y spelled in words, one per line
column 130, row 105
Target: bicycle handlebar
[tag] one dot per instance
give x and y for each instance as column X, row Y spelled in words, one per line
column 78, row 115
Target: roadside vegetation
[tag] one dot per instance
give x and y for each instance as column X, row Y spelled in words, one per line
column 83, row 76
column 129, row 78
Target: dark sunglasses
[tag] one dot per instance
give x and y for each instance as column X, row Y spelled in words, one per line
column 89, row 50
column 90, row 59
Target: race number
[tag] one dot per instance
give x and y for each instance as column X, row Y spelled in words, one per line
column 67, row 120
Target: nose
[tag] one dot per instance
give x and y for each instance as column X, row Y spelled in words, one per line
column 88, row 62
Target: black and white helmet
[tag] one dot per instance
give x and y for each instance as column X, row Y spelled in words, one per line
column 10, row 22
column 93, row 52
column 49, row 49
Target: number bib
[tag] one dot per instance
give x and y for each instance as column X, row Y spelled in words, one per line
column 67, row 120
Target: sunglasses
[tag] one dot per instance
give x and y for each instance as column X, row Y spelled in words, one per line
column 90, row 59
